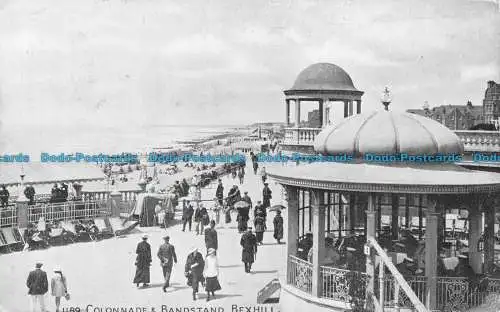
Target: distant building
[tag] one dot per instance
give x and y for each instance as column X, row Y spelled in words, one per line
column 313, row 119
column 463, row 117
column 491, row 103
column 455, row 117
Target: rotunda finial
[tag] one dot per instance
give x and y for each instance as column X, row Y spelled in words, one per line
column 386, row 98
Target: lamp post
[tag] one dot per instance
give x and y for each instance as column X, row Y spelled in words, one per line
column 386, row 98
column 20, row 196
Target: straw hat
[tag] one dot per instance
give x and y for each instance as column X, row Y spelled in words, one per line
column 38, row 264
column 211, row 251
column 145, row 236
column 57, row 269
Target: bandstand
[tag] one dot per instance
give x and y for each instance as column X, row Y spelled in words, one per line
column 323, row 83
column 384, row 213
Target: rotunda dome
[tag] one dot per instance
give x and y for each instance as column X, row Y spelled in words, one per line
column 387, row 132
column 323, row 76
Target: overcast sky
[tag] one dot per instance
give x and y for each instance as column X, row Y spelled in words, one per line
column 132, row 62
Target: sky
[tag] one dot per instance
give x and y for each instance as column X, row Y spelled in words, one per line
column 91, row 63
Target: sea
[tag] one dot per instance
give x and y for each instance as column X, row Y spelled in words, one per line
column 33, row 140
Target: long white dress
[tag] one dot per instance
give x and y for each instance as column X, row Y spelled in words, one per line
column 58, row 285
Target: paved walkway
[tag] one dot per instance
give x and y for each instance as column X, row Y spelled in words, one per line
column 101, row 273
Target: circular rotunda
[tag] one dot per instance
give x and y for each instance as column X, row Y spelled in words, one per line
column 386, row 215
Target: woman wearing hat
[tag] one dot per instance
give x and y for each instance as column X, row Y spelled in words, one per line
column 210, row 273
column 58, row 286
column 193, row 270
column 278, row 226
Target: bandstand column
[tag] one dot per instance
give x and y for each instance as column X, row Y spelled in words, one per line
column 371, row 232
column 325, row 112
column 297, row 113
column 489, row 234
column 351, row 108
column 287, row 112
column 318, row 253
column 431, row 252
column 395, row 217
column 292, row 219
column 346, row 108
column 358, row 106
column 475, row 218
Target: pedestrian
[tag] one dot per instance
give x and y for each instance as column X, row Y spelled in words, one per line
column 278, row 226
column 217, row 208
column 263, row 174
column 185, row 188
column 211, row 273
column 4, row 196
column 59, row 286
column 211, row 241
column 167, row 256
column 219, row 193
column 259, row 208
column 29, row 192
column 193, row 270
column 241, row 175
column 160, row 214
column 260, row 227
column 266, row 195
column 187, row 215
column 255, row 166
column 38, row 286
column 249, row 244
column 142, row 262
column 200, row 216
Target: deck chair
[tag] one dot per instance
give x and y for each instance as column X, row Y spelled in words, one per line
column 11, row 240
column 70, row 228
column 4, row 246
column 56, row 236
column 450, row 227
column 104, row 229
column 116, row 226
column 461, row 228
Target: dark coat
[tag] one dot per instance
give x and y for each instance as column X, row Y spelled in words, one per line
column 278, row 227
column 220, row 191
column 195, row 274
column 37, row 282
column 185, row 187
column 142, row 263
column 249, row 243
column 247, row 199
column 260, row 209
column 211, row 239
column 260, row 224
column 187, row 212
column 166, row 253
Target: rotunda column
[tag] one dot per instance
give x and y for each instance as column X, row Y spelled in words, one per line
column 351, row 108
column 287, row 112
column 346, row 108
column 489, row 232
column 358, row 106
column 297, row 113
column 321, row 110
column 318, row 253
column 292, row 221
column 431, row 251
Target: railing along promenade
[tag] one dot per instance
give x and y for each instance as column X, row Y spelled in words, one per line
column 473, row 140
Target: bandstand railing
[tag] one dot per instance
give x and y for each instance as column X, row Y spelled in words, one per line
column 8, row 216
column 300, row 136
column 67, row 211
column 300, row 274
column 342, row 285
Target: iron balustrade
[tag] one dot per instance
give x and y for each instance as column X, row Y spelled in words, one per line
column 342, row 285
column 300, row 274
column 8, row 216
column 67, row 211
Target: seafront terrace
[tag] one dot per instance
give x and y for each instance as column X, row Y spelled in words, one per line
column 302, row 139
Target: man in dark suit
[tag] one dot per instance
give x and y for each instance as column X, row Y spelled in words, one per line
column 38, row 286
column 211, row 237
column 167, row 256
column 143, row 262
column 249, row 244
column 219, row 193
column 187, row 216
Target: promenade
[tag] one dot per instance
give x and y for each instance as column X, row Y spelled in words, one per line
column 100, row 273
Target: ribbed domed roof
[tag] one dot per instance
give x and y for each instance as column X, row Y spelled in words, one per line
column 387, row 132
column 324, row 76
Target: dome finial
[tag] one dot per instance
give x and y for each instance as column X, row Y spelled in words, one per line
column 386, row 98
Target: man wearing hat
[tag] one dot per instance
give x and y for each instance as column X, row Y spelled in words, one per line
column 249, row 243
column 193, row 270
column 142, row 262
column 38, row 285
column 167, row 257
column 219, row 193
column 278, row 226
column 260, row 227
column 211, row 237
column 266, row 196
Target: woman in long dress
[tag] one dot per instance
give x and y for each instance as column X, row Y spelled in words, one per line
column 211, row 272
column 58, row 286
column 193, row 270
column 143, row 262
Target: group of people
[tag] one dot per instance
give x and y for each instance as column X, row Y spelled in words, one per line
column 59, row 194
column 197, row 269
column 38, row 286
column 4, row 196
